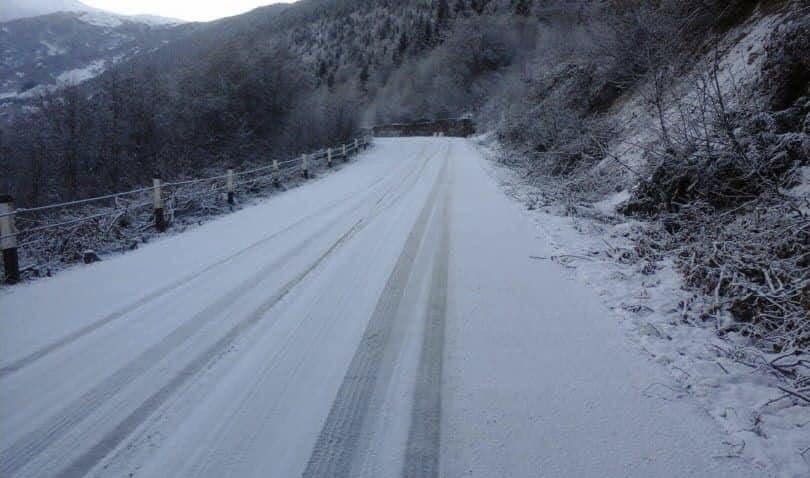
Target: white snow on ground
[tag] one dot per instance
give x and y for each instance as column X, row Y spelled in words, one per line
column 739, row 67
column 53, row 50
column 101, row 19
column 648, row 307
column 802, row 189
column 155, row 20
column 232, row 349
column 110, row 20
column 609, row 204
column 67, row 78
column 78, row 75
column 35, row 91
column 739, row 62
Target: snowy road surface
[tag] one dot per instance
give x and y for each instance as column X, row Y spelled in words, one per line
column 381, row 321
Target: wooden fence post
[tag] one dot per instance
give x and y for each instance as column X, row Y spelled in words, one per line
column 8, row 243
column 276, row 174
column 345, row 155
column 157, row 196
column 356, row 146
column 229, row 187
column 329, row 158
column 305, row 165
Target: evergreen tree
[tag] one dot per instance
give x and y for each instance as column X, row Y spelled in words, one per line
column 402, row 47
column 364, row 75
column 427, row 39
column 522, row 7
column 479, row 6
column 442, row 14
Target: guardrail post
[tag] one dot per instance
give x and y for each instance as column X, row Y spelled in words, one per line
column 8, row 242
column 356, row 146
column 276, row 174
column 229, row 187
column 157, row 196
column 329, row 158
column 305, row 165
column 345, row 155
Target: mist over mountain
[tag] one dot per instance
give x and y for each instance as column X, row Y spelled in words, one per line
column 14, row 9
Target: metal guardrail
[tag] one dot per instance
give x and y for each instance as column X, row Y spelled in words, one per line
column 226, row 184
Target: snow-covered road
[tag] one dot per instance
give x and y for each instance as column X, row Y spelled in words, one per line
column 383, row 320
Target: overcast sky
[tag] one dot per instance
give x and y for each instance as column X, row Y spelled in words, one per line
column 192, row 10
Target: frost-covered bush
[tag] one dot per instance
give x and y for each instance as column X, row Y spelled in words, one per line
column 717, row 183
column 712, row 185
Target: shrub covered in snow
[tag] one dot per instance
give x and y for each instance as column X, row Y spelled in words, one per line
column 701, row 111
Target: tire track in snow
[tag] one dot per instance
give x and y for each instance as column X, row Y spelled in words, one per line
column 67, row 340
column 89, row 459
column 339, row 441
column 29, row 446
column 84, row 463
column 424, row 436
column 32, row 444
column 157, row 294
column 421, row 161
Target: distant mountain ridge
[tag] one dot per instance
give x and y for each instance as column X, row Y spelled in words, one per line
column 45, row 52
column 16, row 9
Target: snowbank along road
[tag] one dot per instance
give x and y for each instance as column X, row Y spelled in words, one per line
column 382, row 321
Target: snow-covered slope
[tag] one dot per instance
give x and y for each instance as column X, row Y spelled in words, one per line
column 14, row 9
column 46, row 52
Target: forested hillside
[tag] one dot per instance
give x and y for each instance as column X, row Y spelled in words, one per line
column 247, row 88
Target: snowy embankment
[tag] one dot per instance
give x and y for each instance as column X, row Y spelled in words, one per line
column 726, row 375
column 386, row 320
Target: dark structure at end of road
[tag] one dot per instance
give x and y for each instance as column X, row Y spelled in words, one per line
column 461, row 127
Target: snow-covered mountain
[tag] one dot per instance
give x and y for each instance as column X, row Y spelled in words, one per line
column 45, row 52
column 14, row 9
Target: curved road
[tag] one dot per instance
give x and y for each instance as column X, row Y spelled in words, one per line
column 382, row 320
